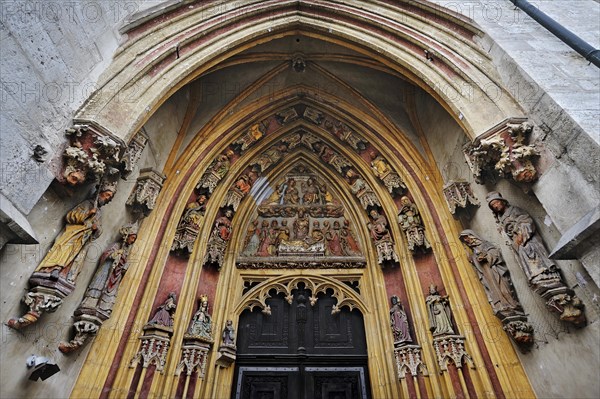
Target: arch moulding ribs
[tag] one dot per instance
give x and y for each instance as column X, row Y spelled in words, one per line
column 155, row 73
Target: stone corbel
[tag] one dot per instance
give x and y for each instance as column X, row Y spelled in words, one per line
column 458, row 194
column 85, row 326
column 39, row 300
column 194, row 356
column 144, row 195
column 91, row 154
column 502, row 151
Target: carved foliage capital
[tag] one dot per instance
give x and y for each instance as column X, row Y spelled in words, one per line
column 503, row 151
column 90, row 155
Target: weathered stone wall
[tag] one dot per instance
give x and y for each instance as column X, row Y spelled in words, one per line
column 561, row 358
column 52, row 55
column 17, row 262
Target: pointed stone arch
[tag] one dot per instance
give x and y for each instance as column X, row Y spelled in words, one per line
column 148, row 68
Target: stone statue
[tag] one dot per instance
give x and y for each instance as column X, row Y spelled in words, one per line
column 189, row 226
column 101, row 293
column 229, row 334
column 440, row 315
column 66, row 256
column 201, row 325
column 102, row 290
column 495, row 278
column 164, row 313
column 399, row 322
column 379, row 227
column 219, row 237
column 493, row 273
column 543, row 274
column 412, row 225
column 55, row 276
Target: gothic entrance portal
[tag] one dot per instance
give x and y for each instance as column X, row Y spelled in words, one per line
column 301, row 351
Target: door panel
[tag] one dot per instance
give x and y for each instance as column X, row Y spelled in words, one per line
column 301, row 351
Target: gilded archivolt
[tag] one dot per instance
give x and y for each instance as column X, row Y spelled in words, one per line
column 377, row 164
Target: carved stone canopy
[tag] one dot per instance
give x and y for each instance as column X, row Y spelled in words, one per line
column 458, row 194
column 146, row 190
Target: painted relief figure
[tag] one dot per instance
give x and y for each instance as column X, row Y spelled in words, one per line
column 333, row 237
column 252, row 242
column 349, row 243
column 201, row 324
column 164, row 313
column 439, row 313
column 399, row 322
column 301, row 225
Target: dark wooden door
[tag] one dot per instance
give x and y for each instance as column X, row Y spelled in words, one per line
column 301, row 351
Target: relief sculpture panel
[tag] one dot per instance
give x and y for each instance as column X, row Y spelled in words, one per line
column 301, row 224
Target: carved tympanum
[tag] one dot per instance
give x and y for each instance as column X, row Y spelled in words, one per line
column 300, row 223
